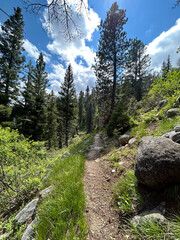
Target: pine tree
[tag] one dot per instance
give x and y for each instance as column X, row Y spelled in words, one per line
column 81, row 112
column 67, row 103
column 11, row 60
column 28, row 102
column 111, row 51
column 52, row 121
column 40, row 83
column 166, row 67
column 137, row 67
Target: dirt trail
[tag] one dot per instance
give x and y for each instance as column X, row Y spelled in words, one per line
column 102, row 219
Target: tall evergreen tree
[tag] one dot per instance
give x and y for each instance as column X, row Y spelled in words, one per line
column 11, row 59
column 137, row 67
column 166, row 67
column 81, row 112
column 28, row 102
column 40, row 83
column 67, row 102
column 52, row 121
column 111, row 50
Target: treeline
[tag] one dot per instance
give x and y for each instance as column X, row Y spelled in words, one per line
column 24, row 102
column 124, row 78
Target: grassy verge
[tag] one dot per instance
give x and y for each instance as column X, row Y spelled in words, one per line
column 126, row 194
column 61, row 215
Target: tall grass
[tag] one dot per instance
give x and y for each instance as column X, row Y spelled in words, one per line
column 166, row 125
column 61, row 215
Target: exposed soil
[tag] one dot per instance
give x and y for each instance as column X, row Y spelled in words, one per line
column 102, row 218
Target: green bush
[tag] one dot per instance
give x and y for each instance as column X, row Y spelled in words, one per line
column 22, row 166
column 119, row 121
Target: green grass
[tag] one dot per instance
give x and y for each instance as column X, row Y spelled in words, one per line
column 166, row 125
column 150, row 230
column 61, row 215
column 126, row 194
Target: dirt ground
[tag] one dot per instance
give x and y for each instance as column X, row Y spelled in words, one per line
column 102, row 218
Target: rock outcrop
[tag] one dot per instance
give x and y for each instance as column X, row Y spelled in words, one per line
column 158, row 162
column 26, row 213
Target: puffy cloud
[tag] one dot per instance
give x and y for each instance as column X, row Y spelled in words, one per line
column 33, row 51
column 68, row 51
column 165, row 44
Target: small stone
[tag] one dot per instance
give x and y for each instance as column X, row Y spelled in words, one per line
column 114, row 170
column 123, row 140
column 65, row 155
column 120, row 163
column 132, row 142
column 97, row 160
column 157, row 215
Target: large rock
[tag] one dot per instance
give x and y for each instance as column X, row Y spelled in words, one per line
column 27, row 212
column 158, row 162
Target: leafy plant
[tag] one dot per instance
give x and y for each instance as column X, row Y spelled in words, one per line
column 126, row 194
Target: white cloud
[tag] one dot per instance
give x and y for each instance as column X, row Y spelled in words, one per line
column 68, row 51
column 33, row 51
column 165, row 44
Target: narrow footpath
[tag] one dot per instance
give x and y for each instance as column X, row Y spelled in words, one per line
column 102, row 219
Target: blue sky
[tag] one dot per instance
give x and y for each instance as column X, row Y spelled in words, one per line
column 154, row 22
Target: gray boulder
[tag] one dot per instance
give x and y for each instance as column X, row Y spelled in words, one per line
column 158, row 162
column 173, row 112
column 123, row 140
column 29, row 232
column 162, row 104
column 157, row 215
column 27, row 212
column 177, row 128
